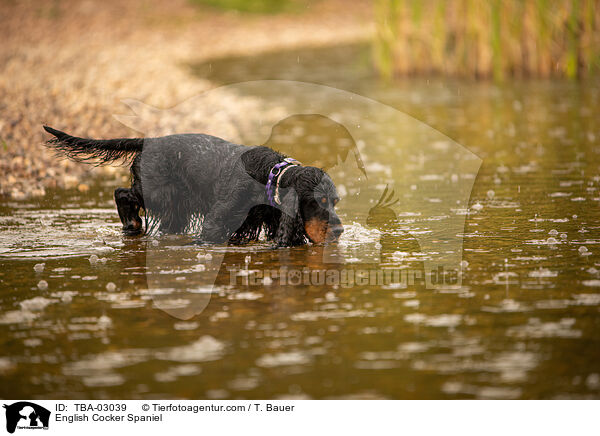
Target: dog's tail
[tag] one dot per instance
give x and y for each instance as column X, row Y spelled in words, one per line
column 95, row 151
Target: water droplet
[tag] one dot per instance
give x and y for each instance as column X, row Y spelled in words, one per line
column 39, row 267
column 202, row 256
column 104, row 322
column 553, row 232
column 491, row 194
column 111, row 287
column 93, row 259
column 42, row 285
column 584, row 251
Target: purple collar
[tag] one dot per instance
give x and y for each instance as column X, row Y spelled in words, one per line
column 274, row 174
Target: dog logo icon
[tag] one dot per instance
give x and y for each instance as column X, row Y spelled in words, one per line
column 26, row 415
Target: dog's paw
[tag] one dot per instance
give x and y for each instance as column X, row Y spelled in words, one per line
column 199, row 242
column 280, row 244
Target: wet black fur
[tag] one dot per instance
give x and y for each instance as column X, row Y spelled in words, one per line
column 203, row 184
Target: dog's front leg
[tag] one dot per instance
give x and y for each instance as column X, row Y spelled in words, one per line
column 214, row 226
column 224, row 218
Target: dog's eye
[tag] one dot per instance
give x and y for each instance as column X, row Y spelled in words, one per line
column 323, row 200
column 336, row 201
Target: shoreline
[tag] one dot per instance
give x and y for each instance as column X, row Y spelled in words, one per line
column 70, row 65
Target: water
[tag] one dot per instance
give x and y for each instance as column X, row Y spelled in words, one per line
column 107, row 316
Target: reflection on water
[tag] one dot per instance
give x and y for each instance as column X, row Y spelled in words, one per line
column 87, row 313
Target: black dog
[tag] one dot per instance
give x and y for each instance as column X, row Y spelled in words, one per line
column 233, row 191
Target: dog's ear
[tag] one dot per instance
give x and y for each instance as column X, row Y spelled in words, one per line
column 290, row 202
column 290, row 224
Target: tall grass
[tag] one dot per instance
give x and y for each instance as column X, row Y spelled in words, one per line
column 488, row 38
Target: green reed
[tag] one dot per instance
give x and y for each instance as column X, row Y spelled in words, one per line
column 488, row 38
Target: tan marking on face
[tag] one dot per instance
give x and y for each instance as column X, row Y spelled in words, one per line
column 316, row 230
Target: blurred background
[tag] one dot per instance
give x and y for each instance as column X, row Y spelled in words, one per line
column 71, row 62
column 499, row 39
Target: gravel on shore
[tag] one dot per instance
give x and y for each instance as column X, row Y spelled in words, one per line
column 70, row 63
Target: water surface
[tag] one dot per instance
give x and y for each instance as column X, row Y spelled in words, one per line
column 88, row 313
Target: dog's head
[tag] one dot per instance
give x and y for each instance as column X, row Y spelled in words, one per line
column 317, row 198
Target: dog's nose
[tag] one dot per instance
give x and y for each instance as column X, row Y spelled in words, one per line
column 337, row 230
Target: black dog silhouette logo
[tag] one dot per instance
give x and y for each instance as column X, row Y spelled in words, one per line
column 26, row 415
